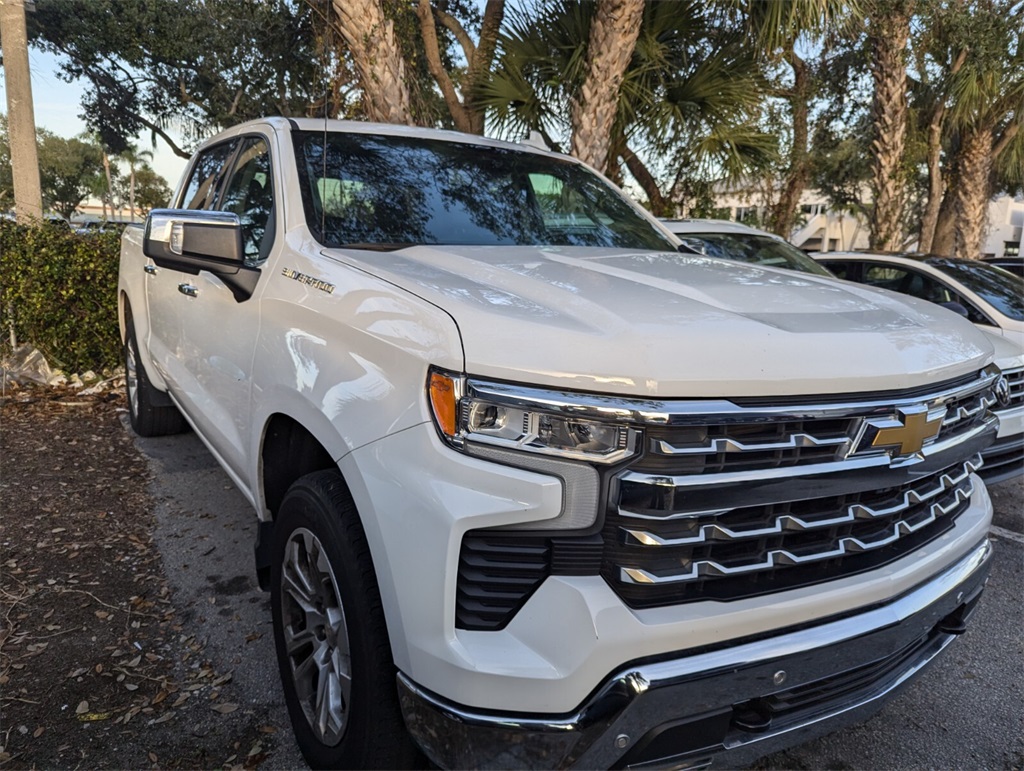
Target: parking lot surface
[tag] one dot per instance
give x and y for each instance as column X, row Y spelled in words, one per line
column 964, row 712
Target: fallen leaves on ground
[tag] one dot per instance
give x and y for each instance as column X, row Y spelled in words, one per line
column 91, row 642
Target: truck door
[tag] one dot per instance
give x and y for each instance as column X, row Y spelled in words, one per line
column 165, row 287
column 218, row 334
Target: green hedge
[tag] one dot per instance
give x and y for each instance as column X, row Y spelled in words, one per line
column 59, row 289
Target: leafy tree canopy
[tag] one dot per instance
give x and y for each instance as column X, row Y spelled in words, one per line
column 66, row 171
column 151, row 190
column 688, row 101
column 191, row 65
column 194, row 67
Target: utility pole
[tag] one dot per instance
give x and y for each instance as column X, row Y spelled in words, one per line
column 21, row 121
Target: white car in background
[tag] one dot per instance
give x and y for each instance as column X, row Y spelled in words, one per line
column 990, row 297
column 742, row 243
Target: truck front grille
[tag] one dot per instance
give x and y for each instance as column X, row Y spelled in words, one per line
column 758, row 499
column 733, row 499
column 752, row 550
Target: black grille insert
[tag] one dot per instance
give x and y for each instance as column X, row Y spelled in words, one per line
column 498, row 571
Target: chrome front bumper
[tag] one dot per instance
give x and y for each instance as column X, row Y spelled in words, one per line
column 738, row 702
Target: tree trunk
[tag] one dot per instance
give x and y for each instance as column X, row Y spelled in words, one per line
column 110, row 182
column 889, row 29
column 782, row 216
column 972, row 192
column 936, row 185
column 945, row 231
column 483, row 58
column 371, row 42
column 646, row 180
column 467, row 115
column 432, row 50
column 21, row 126
column 613, row 34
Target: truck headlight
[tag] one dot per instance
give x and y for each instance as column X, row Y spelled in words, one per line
column 527, row 419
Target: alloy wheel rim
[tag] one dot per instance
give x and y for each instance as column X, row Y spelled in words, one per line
column 316, row 636
column 131, row 376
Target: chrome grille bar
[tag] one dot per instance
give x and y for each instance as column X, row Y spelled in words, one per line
column 730, row 478
column 961, row 486
column 789, row 522
column 980, row 403
column 673, row 412
column 731, row 445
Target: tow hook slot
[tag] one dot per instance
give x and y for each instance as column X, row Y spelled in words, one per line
column 954, row 623
column 754, row 716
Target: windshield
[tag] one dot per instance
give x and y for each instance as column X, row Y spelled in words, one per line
column 388, row 192
column 752, row 247
column 1002, row 290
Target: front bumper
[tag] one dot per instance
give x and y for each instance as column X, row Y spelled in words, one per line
column 740, row 701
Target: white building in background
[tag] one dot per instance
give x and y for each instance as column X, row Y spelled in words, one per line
column 1005, row 226
column 92, row 211
column 818, row 230
column 821, row 230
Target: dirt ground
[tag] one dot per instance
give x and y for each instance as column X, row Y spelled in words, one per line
column 98, row 668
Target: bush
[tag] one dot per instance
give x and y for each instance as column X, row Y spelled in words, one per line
column 59, row 291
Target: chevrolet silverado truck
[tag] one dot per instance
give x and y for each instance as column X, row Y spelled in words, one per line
column 535, row 487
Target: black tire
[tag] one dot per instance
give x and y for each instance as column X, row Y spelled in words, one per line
column 146, row 413
column 363, row 728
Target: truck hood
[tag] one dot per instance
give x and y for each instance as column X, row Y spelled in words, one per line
column 669, row 325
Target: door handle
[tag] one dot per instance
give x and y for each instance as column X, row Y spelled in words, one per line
column 188, row 289
column 150, row 269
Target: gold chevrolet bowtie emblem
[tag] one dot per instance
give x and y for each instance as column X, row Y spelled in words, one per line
column 909, row 436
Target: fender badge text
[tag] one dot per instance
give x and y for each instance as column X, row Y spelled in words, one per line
column 302, row 278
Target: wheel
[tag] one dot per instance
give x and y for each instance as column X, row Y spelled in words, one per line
column 331, row 637
column 147, row 415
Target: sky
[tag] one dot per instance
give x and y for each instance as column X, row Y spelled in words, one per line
column 57, row 108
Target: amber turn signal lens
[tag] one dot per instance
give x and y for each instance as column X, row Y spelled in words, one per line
column 442, row 401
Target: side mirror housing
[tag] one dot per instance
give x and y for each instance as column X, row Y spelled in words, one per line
column 690, row 245
column 956, row 308
column 189, row 241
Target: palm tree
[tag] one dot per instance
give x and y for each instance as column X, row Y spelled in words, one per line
column 133, row 156
column 614, row 29
column 689, row 92
column 888, row 33
column 104, row 192
column 370, row 36
column 982, row 127
column 988, row 112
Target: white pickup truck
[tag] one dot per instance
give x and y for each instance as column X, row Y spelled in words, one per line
column 535, row 488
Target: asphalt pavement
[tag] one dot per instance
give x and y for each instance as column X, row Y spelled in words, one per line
column 965, row 711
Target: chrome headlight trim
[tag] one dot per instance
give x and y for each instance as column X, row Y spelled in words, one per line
column 552, row 423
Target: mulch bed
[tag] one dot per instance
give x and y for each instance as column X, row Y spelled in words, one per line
column 97, row 667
